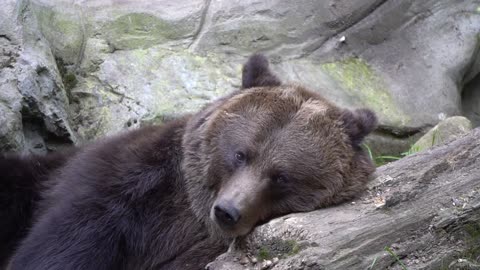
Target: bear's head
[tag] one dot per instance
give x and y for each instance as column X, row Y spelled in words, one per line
column 271, row 149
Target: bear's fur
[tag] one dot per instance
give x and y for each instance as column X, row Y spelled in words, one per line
column 22, row 180
column 174, row 196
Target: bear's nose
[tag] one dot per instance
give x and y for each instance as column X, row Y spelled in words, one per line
column 226, row 214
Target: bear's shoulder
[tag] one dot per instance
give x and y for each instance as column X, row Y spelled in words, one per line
column 130, row 164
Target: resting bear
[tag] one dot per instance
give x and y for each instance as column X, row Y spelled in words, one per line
column 174, row 196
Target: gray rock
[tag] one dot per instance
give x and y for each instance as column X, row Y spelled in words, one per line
column 39, row 80
column 33, row 102
column 405, row 44
column 448, row 129
column 11, row 138
column 290, row 29
column 11, row 135
column 423, row 209
column 161, row 84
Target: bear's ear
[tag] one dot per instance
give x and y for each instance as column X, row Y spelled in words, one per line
column 256, row 73
column 359, row 124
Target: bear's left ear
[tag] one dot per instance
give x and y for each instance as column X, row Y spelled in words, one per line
column 358, row 124
column 256, row 73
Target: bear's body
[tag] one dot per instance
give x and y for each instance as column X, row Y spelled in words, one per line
column 120, row 204
column 174, row 196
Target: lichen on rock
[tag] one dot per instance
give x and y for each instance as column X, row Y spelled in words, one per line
column 138, row 31
column 360, row 80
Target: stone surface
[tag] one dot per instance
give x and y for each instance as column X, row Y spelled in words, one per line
column 448, row 129
column 423, row 210
column 89, row 68
column 45, row 104
column 109, row 101
column 33, row 102
column 11, row 137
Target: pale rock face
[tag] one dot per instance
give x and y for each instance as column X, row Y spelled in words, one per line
column 87, row 69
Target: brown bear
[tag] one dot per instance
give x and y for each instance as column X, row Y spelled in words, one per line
column 174, row 196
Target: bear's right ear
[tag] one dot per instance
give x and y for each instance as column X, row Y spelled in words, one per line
column 358, row 124
column 256, row 73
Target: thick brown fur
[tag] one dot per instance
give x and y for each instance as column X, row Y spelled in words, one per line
column 174, row 196
column 22, row 180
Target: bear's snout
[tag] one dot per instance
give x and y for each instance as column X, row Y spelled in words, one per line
column 226, row 214
column 236, row 208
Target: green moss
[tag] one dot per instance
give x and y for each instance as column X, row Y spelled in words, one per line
column 167, row 83
column 264, row 254
column 293, row 246
column 473, row 241
column 194, row 81
column 154, row 120
column 70, row 81
column 63, row 31
column 59, row 22
column 277, row 248
column 138, row 30
column 66, row 26
column 356, row 77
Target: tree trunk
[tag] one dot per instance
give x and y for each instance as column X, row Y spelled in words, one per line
column 421, row 212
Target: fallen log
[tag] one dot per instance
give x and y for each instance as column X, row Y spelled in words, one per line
column 421, row 212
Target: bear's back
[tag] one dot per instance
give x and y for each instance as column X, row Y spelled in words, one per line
column 129, row 187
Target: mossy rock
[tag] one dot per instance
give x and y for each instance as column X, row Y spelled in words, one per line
column 63, row 30
column 361, row 82
column 446, row 130
column 279, row 248
column 139, row 31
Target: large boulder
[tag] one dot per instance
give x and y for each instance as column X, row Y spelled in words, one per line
column 115, row 65
column 33, row 103
column 11, row 136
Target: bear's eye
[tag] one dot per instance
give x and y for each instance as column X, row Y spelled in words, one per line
column 279, row 179
column 240, row 156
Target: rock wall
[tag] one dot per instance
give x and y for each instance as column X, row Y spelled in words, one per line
column 74, row 71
